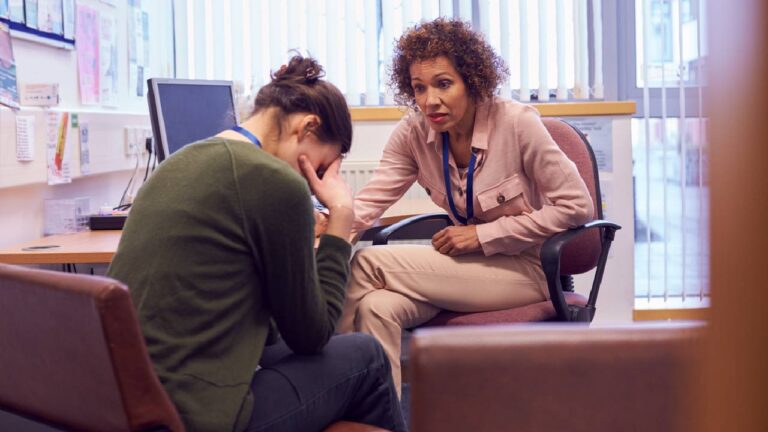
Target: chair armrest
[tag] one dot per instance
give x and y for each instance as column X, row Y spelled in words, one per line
column 550, row 254
column 382, row 237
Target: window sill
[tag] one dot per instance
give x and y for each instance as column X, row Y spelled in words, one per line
column 554, row 109
column 672, row 309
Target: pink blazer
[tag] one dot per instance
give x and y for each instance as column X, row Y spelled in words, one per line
column 525, row 188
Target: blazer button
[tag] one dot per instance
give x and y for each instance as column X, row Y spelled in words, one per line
column 429, row 192
column 500, row 199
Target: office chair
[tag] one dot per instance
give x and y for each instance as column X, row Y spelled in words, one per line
column 72, row 357
column 563, row 255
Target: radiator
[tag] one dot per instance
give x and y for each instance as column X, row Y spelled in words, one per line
column 357, row 174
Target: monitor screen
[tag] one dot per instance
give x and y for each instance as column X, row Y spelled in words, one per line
column 185, row 111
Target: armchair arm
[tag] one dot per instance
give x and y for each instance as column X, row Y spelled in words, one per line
column 550, row 263
column 382, row 237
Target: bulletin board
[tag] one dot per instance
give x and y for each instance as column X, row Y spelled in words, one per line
column 49, row 22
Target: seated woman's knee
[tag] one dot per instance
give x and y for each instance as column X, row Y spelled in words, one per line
column 376, row 306
column 366, row 347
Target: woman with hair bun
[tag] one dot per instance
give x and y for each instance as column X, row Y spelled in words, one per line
column 218, row 254
column 489, row 162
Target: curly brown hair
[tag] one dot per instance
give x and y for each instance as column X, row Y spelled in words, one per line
column 472, row 56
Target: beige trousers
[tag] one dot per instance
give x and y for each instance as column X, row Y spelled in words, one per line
column 401, row 286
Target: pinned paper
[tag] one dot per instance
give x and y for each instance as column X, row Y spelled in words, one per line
column 87, row 35
column 58, row 150
column 40, row 94
column 25, row 138
column 85, row 152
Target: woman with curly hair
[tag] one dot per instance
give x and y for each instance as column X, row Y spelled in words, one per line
column 489, row 162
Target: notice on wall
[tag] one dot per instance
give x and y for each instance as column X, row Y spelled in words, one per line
column 16, row 10
column 598, row 131
column 30, row 13
column 108, row 69
column 68, row 16
column 50, row 16
column 9, row 92
column 25, row 138
column 85, row 151
column 40, row 94
column 138, row 47
column 57, row 149
column 87, row 36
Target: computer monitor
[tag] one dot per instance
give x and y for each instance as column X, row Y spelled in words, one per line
column 185, row 111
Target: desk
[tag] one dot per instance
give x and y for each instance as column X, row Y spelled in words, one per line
column 77, row 248
column 100, row 246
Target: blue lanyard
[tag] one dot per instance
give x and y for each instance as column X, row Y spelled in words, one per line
column 246, row 133
column 470, row 180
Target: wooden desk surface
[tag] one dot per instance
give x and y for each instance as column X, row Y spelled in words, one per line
column 82, row 247
column 100, row 246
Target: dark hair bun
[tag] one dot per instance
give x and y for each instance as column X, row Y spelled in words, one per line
column 299, row 69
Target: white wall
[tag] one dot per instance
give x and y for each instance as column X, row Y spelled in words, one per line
column 23, row 185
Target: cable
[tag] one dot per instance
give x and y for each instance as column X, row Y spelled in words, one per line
column 148, row 143
column 123, row 205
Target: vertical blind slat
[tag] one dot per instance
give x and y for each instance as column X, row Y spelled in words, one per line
column 371, row 53
column 525, row 91
column 702, row 142
column 237, row 39
column 597, row 58
column 222, row 67
column 465, row 10
column 291, row 12
column 260, row 34
column 664, row 143
column 504, row 18
column 562, row 89
column 247, row 59
column 446, row 8
column 198, row 52
column 388, row 41
column 429, row 10
column 647, row 122
column 581, row 86
column 208, row 38
column 334, row 45
column 543, row 55
column 683, row 143
column 181, row 48
column 351, row 60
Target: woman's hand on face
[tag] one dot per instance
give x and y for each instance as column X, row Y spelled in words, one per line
column 457, row 240
column 321, row 223
column 331, row 190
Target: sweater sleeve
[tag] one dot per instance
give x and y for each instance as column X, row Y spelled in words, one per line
column 566, row 202
column 396, row 173
column 303, row 293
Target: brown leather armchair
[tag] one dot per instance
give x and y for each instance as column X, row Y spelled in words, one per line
column 72, row 357
column 554, row 378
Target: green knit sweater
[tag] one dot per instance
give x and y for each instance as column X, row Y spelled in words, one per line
column 219, row 242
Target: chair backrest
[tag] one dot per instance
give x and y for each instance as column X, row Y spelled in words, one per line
column 555, row 377
column 581, row 254
column 72, row 354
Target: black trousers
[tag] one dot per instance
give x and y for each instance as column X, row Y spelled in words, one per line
column 349, row 380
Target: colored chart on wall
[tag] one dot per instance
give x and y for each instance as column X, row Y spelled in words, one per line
column 9, row 90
